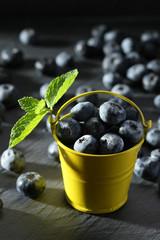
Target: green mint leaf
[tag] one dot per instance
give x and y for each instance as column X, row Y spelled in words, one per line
column 41, row 106
column 25, row 125
column 28, row 104
column 59, row 86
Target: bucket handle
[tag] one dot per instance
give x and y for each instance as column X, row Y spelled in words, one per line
column 146, row 124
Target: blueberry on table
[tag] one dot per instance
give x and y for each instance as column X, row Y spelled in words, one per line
column 133, row 58
column 112, row 113
column 152, row 36
column 5, row 76
column 68, row 130
column 154, row 65
column 1, row 205
column 94, row 47
column 81, row 48
column 135, row 73
column 110, row 79
column 30, row 184
column 153, row 137
column 129, row 45
column 131, row 131
column 111, row 47
column 83, row 111
column 155, row 154
column 8, row 95
column 43, row 89
column 115, row 62
column 151, row 82
column 28, row 36
column 123, row 89
column 151, row 171
column 11, row 57
column 158, row 123
column 64, row 60
column 156, row 101
column 110, row 143
column 86, row 144
column 13, row 160
column 115, row 35
column 53, row 152
column 46, row 66
column 99, row 31
column 94, row 126
column 93, row 98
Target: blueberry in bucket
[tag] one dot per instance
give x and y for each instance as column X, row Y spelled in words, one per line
column 110, row 143
column 94, row 126
column 86, row 144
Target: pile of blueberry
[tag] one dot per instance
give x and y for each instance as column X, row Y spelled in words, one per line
column 110, row 129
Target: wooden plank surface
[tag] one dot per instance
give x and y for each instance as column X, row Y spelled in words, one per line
column 49, row 216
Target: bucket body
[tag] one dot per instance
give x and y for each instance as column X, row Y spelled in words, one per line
column 97, row 183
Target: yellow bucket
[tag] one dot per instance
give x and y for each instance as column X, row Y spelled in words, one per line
column 97, row 183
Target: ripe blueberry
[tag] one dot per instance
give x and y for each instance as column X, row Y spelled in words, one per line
column 86, row 144
column 110, row 143
column 64, row 60
column 8, row 95
column 28, row 36
column 43, row 89
column 155, row 154
column 151, row 82
column 129, row 45
column 53, row 152
column 12, row 57
column 83, row 111
column 110, row 79
column 135, row 73
column 94, row 126
column 154, row 65
column 156, row 101
column 153, row 137
column 123, row 89
column 46, row 66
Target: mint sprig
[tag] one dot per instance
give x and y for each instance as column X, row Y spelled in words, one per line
column 36, row 109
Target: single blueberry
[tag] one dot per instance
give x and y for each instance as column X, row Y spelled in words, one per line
column 131, row 113
column 110, row 79
column 129, row 45
column 131, row 131
column 28, row 36
column 5, row 76
column 8, row 95
column 111, row 47
column 12, row 57
column 114, row 35
column 151, row 82
column 155, row 154
column 99, row 30
column 151, row 171
column 141, row 164
column 68, row 130
column 83, row 111
column 154, row 65
column 156, row 101
column 110, row 143
column 94, row 47
column 1, row 205
column 81, row 48
column 94, row 126
column 13, row 160
column 46, row 66
column 53, row 152
column 43, row 89
column 86, row 144
column 136, row 72
column 133, row 58
column 152, row 36
column 30, row 184
column 123, row 89
column 119, row 100
column 115, row 62
column 64, row 60
column 158, row 123
column 153, row 137
column 93, row 98
column 112, row 113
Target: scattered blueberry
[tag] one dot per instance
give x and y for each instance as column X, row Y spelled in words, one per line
column 151, row 82
column 13, row 160
column 156, row 101
column 53, row 152
column 99, row 31
column 110, row 79
column 110, row 143
column 46, row 66
column 123, row 89
column 115, row 35
column 86, row 144
column 93, row 98
column 131, row 113
column 5, row 76
column 83, row 111
column 81, row 48
column 155, row 154
column 68, row 130
column 154, row 65
column 30, row 184
column 129, row 45
column 12, row 57
column 94, row 47
column 136, row 72
column 64, row 60
column 94, row 126
column 1, row 205
column 152, row 36
column 131, row 131
column 111, row 47
column 112, row 113
column 43, row 89
column 133, row 58
column 8, row 95
column 153, row 137
column 28, row 36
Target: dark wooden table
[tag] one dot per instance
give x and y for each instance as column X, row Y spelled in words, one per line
column 49, row 216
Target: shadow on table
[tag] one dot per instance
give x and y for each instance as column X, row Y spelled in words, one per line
column 142, row 207
column 48, row 42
